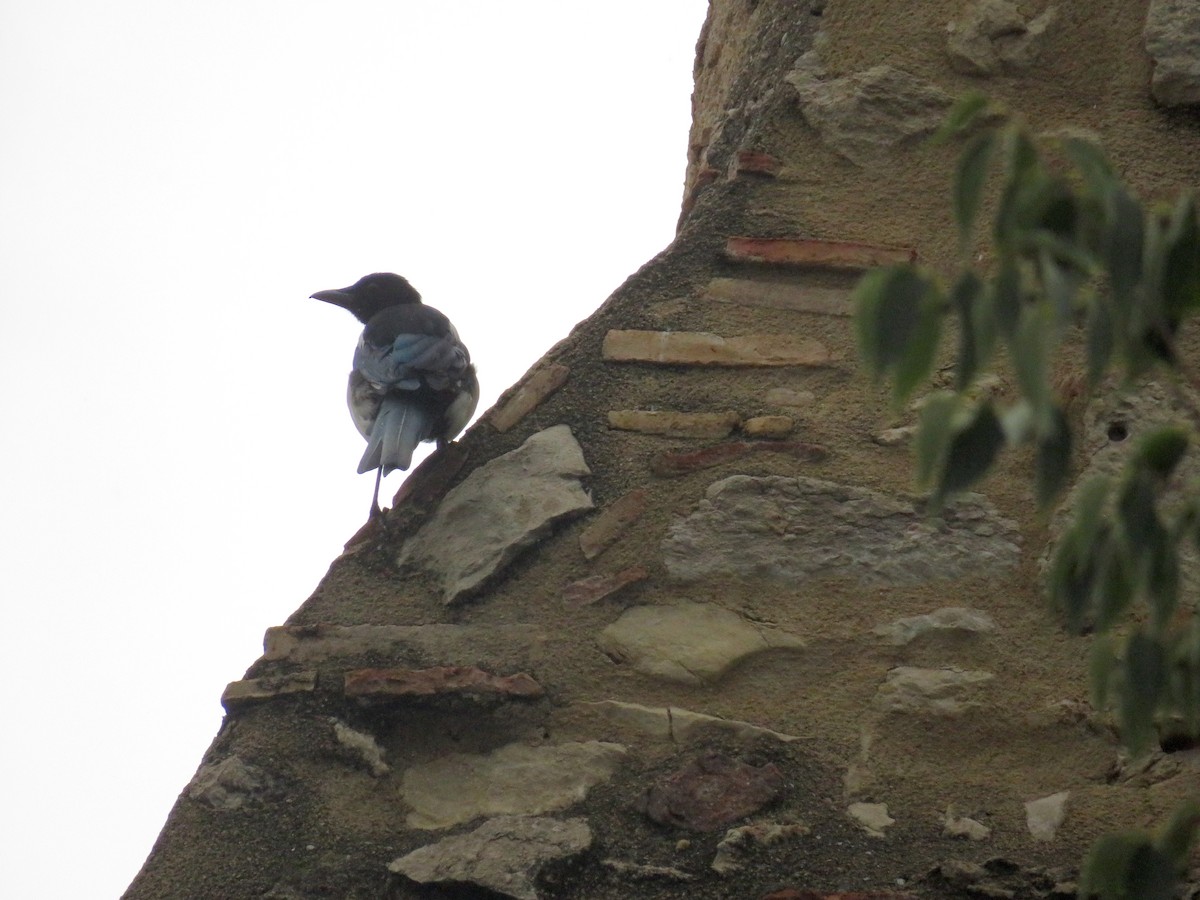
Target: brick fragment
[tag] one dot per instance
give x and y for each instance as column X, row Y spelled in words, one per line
column 755, row 162
column 432, row 477
column 781, row 295
column 668, row 465
column 587, row 591
column 704, row 348
column 769, row 426
column 250, row 690
column 611, row 523
column 668, row 423
column 389, row 684
column 815, row 253
column 528, row 395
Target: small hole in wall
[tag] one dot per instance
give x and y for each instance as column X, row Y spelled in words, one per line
column 1173, row 743
column 1117, row 431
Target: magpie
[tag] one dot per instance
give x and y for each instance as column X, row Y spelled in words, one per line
column 412, row 379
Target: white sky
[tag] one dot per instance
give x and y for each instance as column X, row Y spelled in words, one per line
column 178, row 466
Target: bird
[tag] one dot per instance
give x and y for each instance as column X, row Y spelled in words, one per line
column 412, row 378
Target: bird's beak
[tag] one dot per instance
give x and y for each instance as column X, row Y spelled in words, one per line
column 337, row 298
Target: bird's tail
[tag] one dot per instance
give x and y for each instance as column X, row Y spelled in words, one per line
column 399, row 426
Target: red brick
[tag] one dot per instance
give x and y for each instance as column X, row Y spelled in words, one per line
column 781, row 295
column 755, row 162
column 703, row 348
column 591, row 590
column 528, row 395
column 249, row 690
column 611, row 523
column 669, row 423
column 815, row 253
column 384, row 684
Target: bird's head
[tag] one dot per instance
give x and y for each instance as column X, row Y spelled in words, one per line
column 371, row 294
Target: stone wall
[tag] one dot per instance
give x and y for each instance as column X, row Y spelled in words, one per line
column 667, row 622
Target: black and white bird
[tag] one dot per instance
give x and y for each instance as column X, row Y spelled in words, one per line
column 412, row 379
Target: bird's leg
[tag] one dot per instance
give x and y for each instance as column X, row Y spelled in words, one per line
column 375, row 510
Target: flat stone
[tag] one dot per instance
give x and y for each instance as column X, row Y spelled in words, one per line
column 790, row 529
column 251, row 690
column 603, row 531
column 689, row 643
column 1044, row 816
column 895, row 437
column 504, row 854
column 768, row 426
column 816, row 253
column 991, row 36
column 230, row 783
column 948, row 621
column 595, row 588
column 674, row 724
column 711, row 792
column 866, row 116
column 674, row 424
column 873, row 817
column 809, row 894
column 515, row 779
column 954, row 825
column 781, row 295
column 668, row 465
column 943, row 692
column 492, row 646
column 501, row 509
column 364, row 747
column 1172, row 36
column 470, row 681
column 701, row 348
column 520, row 401
column 732, row 848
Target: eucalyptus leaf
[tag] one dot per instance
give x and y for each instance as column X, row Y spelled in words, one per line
column 970, row 453
column 970, row 175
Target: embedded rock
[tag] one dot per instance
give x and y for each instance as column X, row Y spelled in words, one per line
column 873, row 817
column 504, row 854
column 944, row 692
column 867, row 115
column 230, row 783
column 673, row 723
column 691, row 643
column 711, row 792
column 991, row 36
column 1172, row 37
column 502, row 508
column 515, row 779
column 789, row 529
column 1044, row 815
column 950, row 621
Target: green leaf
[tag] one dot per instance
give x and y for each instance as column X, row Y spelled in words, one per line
column 1052, row 462
column 1102, row 663
column 1124, row 247
column 1029, row 354
column 1162, row 449
column 1105, row 871
column 1100, row 339
column 1092, row 164
column 1006, row 299
column 934, row 433
column 970, row 453
column 969, row 178
column 976, row 332
column 1151, row 875
column 1114, row 586
column 967, row 110
column 1177, row 836
column 897, row 316
column 1144, row 672
column 1058, row 286
column 1181, row 263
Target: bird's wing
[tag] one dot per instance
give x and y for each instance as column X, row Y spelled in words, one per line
column 405, row 346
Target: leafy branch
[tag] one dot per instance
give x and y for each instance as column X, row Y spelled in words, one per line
column 1073, row 257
